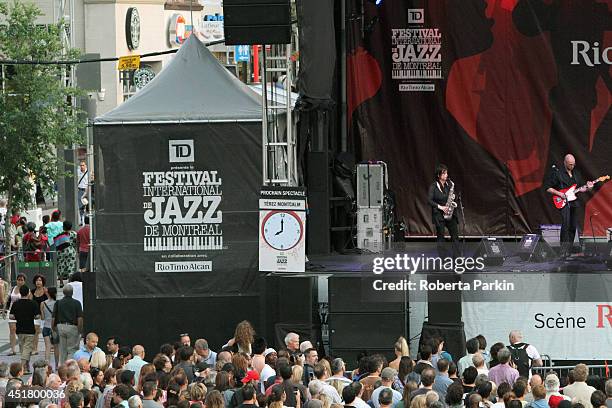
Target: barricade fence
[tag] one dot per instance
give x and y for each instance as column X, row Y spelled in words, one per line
column 563, row 371
column 31, row 264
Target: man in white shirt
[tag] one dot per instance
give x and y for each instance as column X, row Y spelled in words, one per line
column 515, row 347
column 351, row 395
column 326, row 389
column 579, row 391
column 466, row 361
column 137, row 361
column 82, row 184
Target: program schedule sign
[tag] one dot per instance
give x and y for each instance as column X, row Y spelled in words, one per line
column 282, row 229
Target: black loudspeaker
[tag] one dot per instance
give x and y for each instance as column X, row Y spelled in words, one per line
column 249, row 22
column 535, row 249
column 452, row 334
column 444, row 307
column 492, row 251
column 356, row 326
column 608, row 255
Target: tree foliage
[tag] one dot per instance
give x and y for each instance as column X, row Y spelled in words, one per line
column 36, row 113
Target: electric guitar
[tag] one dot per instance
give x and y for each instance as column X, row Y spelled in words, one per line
column 570, row 192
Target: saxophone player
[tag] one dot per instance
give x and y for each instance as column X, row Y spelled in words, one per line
column 442, row 208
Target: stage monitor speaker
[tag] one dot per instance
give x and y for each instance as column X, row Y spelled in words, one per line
column 608, row 255
column 535, row 249
column 491, row 250
column 250, row 22
column 452, row 334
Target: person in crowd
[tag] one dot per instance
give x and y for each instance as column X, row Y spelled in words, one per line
column 185, row 361
column 437, row 345
column 184, row 340
column 89, row 347
column 428, row 377
column 387, row 376
column 14, row 296
column 249, row 397
column 502, row 389
column 321, row 376
column 204, row 353
column 454, row 396
column 478, row 362
column 214, row 399
column 121, row 394
column 305, row 345
column 82, row 243
column 311, row 359
column 32, row 244
column 579, row 391
column 472, row 346
column 39, row 295
column 539, row 397
column 372, row 370
column 406, row 373
column 68, row 322
column 425, row 361
column 524, row 355
column 401, row 349
column 259, row 346
column 97, row 376
column 442, row 381
column 452, row 372
column 291, row 387
column 137, row 361
column 127, row 378
column 482, row 348
column 338, row 380
column 243, row 337
column 503, row 372
column 292, row 343
column 54, row 227
column 65, row 245
column 24, row 312
column 552, row 386
column 608, row 389
column 533, row 381
column 519, row 388
column 469, row 378
column 493, row 353
column 386, row 399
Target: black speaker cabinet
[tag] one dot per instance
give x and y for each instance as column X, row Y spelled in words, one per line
column 249, row 22
column 452, row 334
column 491, row 250
column 535, row 249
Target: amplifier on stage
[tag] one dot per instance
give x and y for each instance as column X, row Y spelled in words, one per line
column 551, row 234
column 371, row 183
column 370, row 229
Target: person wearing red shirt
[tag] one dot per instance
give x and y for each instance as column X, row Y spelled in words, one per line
column 83, row 245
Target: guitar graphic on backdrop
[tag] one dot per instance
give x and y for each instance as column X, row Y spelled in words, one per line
column 570, row 192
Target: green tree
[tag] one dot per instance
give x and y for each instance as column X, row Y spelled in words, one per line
column 36, row 113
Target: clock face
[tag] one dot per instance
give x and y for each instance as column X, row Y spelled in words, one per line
column 132, row 28
column 282, row 230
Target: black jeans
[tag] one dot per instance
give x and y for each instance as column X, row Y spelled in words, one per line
column 440, row 223
column 569, row 223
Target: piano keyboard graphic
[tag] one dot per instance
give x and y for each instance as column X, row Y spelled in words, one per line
column 183, row 243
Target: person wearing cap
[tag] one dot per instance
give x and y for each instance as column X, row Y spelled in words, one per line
column 250, row 380
column 305, row 345
column 268, row 371
column 387, row 376
column 204, row 353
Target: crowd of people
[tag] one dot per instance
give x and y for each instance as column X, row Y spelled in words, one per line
column 247, row 373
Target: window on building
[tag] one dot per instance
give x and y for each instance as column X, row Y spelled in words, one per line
column 127, row 83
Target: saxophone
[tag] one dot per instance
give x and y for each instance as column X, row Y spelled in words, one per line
column 450, row 203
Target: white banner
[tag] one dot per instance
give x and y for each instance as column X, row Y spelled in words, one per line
column 562, row 330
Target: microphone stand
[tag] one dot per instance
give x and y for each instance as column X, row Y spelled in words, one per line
column 463, row 226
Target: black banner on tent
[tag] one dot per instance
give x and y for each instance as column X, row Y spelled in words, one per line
column 177, row 209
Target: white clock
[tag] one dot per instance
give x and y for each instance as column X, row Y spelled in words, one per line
column 132, row 28
column 282, row 230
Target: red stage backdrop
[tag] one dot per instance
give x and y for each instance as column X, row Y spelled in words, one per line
column 498, row 90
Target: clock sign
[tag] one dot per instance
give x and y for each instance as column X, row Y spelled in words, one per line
column 132, row 28
column 282, row 230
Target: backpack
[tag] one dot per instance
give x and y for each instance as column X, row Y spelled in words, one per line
column 520, row 358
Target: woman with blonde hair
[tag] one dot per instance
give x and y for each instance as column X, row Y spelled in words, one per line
column 420, row 401
column 98, row 360
column 401, row 350
column 297, row 373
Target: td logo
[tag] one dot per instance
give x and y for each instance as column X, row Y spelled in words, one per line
column 181, row 151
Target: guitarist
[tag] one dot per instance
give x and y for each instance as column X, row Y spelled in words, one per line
column 437, row 199
column 560, row 180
